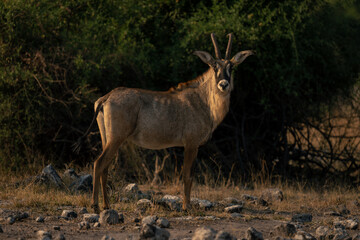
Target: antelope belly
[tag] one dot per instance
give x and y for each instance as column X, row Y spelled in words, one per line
column 154, row 135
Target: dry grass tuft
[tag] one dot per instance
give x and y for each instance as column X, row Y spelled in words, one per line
column 297, row 199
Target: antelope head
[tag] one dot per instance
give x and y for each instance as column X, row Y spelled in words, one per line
column 223, row 67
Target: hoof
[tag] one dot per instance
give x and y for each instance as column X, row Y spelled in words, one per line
column 96, row 208
column 186, row 207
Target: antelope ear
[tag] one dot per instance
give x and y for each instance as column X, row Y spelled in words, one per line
column 241, row 56
column 205, row 57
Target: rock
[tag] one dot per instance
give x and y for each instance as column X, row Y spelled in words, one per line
column 203, row 204
column 1, row 230
column 301, row 235
column 82, row 184
column 69, row 214
column 183, row 218
column 40, row 219
column 356, row 236
column 339, row 234
column 43, row 235
column 152, row 232
column 237, row 215
column 222, row 235
column 141, row 195
column 338, row 224
column 229, row 201
column 253, row 234
column 285, row 230
column 247, row 197
column 60, row 237
column 91, row 217
column 106, row 237
column 49, row 174
column 149, row 220
column 143, row 204
column 57, row 228
column 10, row 220
column 83, row 210
column 132, row 191
column 97, row 224
column 171, row 198
column 20, row 216
column 109, row 217
column 234, row 208
column 302, row 218
column 131, row 188
column 162, row 222
column 347, row 224
column 84, row 225
column 332, row 213
column 70, row 174
column 272, row 194
column 172, row 202
column 321, row 232
column 121, row 218
column 207, row 218
column 204, row 233
column 262, row 202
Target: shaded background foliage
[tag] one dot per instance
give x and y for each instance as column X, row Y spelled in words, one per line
column 58, row 57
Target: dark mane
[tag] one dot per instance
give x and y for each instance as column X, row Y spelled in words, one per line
column 189, row 84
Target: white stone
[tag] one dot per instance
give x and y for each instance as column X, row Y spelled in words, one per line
column 234, row 208
column 84, row 225
column 204, row 233
column 91, row 217
column 131, row 188
column 69, row 214
column 149, row 220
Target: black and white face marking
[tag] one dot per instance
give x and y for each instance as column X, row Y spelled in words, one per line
column 223, row 75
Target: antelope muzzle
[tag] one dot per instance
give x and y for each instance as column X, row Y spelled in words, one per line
column 223, row 85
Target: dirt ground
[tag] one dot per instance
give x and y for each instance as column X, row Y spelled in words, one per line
column 180, row 227
column 326, row 207
column 178, row 230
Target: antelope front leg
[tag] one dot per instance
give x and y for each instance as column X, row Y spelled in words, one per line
column 190, row 155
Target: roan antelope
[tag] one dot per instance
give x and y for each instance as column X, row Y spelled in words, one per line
column 182, row 116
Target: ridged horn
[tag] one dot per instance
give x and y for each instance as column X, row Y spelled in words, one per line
column 228, row 49
column 217, row 51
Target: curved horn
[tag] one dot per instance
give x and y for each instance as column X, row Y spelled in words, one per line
column 228, row 49
column 217, row 51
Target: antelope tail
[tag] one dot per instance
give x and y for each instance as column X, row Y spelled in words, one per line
column 77, row 145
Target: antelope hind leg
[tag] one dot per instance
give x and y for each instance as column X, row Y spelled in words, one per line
column 103, row 180
column 100, row 165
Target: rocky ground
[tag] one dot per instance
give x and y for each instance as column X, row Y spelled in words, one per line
column 150, row 215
